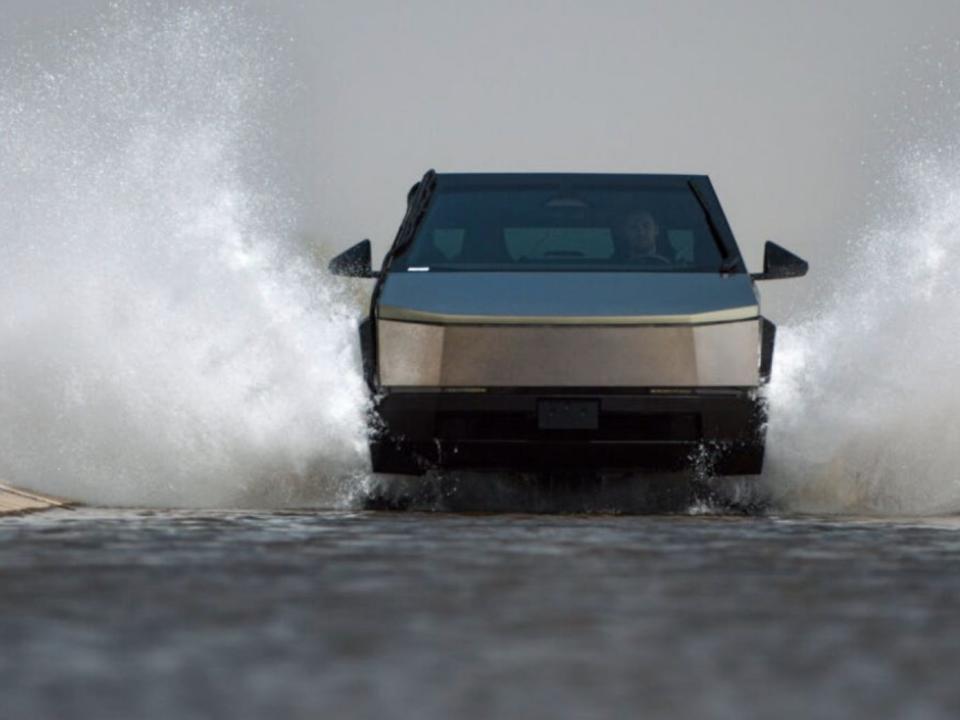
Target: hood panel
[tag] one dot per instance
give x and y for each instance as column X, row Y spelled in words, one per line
column 567, row 298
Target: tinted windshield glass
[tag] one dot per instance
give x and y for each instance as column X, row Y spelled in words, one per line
column 529, row 228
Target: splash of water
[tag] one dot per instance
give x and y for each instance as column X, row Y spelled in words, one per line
column 865, row 403
column 160, row 341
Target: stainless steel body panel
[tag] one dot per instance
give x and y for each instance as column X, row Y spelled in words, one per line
column 466, row 356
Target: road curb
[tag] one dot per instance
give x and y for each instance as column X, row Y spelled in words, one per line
column 14, row 501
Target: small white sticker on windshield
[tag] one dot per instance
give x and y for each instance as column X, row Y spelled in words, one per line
column 418, row 269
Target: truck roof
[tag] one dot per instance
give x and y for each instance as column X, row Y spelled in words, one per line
column 454, row 180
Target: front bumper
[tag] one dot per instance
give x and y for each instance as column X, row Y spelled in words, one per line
column 544, row 429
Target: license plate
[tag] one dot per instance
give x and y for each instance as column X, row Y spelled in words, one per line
column 568, row 414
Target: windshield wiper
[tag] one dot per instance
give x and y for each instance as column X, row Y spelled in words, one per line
column 728, row 265
column 418, row 208
column 418, row 200
column 730, row 261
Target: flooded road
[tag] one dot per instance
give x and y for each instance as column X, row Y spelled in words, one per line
column 196, row 614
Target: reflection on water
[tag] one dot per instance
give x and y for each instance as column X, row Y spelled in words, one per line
column 570, row 492
column 166, row 340
column 156, row 614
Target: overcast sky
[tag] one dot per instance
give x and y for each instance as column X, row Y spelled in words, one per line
column 791, row 108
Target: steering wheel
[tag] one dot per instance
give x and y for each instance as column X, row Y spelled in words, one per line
column 651, row 260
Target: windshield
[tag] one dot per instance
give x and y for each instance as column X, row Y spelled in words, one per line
column 547, row 228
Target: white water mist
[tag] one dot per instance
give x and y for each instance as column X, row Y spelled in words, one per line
column 865, row 400
column 161, row 341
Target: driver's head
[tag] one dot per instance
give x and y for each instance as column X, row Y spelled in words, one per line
column 640, row 233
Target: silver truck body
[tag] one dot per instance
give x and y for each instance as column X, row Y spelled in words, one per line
column 512, row 328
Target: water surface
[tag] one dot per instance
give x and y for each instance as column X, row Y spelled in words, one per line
column 198, row 614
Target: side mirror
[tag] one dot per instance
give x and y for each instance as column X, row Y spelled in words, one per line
column 779, row 263
column 353, row 262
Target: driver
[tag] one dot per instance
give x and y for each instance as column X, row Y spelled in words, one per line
column 639, row 232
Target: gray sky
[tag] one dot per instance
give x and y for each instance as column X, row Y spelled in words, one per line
column 778, row 104
column 791, row 108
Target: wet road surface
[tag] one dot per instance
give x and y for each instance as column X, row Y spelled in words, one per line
column 196, row 614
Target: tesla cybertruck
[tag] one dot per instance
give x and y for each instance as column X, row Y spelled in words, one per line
column 543, row 322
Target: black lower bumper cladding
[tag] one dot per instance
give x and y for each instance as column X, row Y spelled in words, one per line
column 569, row 429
